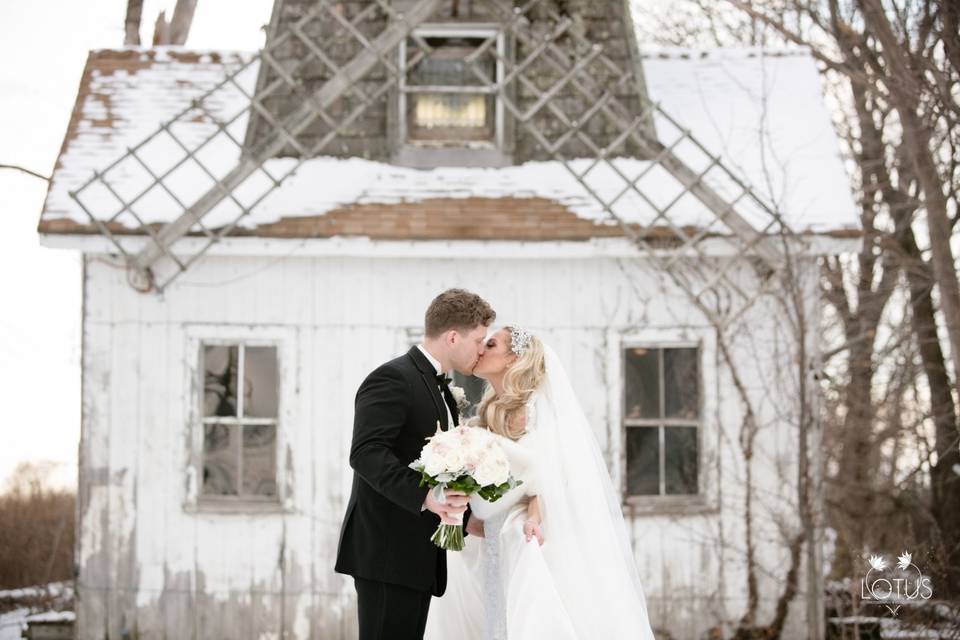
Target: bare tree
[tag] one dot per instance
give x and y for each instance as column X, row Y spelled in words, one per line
column 904, row 81
column 893, row 69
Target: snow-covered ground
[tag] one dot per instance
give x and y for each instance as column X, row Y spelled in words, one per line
column 12, row 623
column 43, row 603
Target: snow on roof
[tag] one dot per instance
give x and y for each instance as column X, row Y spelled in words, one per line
column 761, row 112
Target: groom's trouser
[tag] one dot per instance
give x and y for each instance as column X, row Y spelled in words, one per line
column 390, row 611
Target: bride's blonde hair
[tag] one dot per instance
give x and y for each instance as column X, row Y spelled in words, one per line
column 500, row 414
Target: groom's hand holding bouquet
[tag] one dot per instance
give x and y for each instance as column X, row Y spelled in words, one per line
column 458, row 463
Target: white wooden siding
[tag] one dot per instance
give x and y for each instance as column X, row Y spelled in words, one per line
column 153, row 561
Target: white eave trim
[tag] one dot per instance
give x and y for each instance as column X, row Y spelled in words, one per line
column 365, row 247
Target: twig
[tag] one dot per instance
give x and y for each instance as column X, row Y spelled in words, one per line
column 25, row 170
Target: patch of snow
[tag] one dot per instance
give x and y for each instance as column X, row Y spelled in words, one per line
column 53, row 589
column 52, row 616
column 13, row 623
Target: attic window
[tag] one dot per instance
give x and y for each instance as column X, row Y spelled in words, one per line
column 442, row 98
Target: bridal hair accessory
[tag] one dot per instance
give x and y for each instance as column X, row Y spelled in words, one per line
column 519, row 340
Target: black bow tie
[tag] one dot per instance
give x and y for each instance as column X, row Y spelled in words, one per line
column 443, row 379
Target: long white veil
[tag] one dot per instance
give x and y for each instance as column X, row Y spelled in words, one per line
column 587, row 545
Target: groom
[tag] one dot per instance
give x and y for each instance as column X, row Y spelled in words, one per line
column 385, row 538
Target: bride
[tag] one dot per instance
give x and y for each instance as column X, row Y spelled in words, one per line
column 555, row 560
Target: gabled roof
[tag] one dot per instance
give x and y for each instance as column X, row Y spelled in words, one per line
column 762, row 112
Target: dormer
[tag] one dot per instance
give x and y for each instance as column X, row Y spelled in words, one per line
column 444, row 107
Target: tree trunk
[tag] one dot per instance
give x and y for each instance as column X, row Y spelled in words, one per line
column 132, row 23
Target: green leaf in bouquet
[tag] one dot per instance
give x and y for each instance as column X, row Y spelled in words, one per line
column 464, row 483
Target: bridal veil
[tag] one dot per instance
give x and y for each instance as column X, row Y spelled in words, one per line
column 587, row 545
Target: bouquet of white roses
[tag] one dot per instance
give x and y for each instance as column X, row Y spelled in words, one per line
column 466, row 459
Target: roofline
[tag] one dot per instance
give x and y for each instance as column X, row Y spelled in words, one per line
column 363, row 246
column 190, row 54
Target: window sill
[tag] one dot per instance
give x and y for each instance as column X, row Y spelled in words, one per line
column 237, row 506
column 667, row 505
column 430, row 155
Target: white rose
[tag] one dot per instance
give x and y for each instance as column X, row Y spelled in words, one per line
column 453, row 461
column 491, row 471
column 433, row 466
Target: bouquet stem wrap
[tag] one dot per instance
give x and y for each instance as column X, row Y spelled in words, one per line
column 447, row 536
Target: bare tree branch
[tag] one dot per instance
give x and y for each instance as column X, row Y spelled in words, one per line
column 17, row 167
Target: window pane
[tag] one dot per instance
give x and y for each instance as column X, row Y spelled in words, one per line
column 642, row 390
column 680, row 383
column 260, row 460
column 445, row 64
column 680, row 459
column 260, row 381
column 220, row 380
column 643, row 461
column 221, row 454
column 449, row 111
column 474, row 388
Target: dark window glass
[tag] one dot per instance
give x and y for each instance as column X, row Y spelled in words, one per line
column 680, row 378
column 680, row 459
column 220, row 366
column 221, row 449
column 643, row 461
column 642, row 386
column 260, row 460
column 260, row 382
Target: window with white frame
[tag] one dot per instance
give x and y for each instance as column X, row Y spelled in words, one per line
column 442, row 98
column 241, row 385
column 662, row 421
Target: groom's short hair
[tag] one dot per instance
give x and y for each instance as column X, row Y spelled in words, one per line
column 457, row 309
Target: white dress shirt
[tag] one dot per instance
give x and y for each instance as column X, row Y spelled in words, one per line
column 436, row 366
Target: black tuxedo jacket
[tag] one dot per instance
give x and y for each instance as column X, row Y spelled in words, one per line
column 385, row 535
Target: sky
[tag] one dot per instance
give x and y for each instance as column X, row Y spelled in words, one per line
column 43, row 47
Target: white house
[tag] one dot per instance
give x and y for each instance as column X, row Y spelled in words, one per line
column 206, row 512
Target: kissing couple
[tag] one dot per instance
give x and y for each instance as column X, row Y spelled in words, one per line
column 550, row 560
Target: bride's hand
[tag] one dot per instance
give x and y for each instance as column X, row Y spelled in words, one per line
column 532, row 528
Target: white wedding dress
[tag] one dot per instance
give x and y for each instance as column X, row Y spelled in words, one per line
column 582, row 583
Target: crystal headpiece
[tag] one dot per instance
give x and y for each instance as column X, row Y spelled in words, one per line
column 519, row 340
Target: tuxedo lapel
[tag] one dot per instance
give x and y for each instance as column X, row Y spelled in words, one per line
column 428, row 375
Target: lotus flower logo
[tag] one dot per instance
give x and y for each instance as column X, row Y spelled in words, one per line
column 892, row 585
